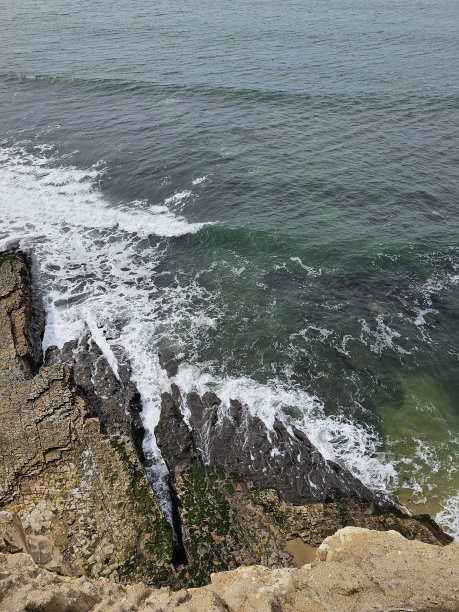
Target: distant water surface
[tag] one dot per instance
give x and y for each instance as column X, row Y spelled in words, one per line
column 269, row 190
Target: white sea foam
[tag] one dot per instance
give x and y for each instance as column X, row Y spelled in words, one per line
column 100, row 340
column 381, row 338
column 177, row 197
column 309, row 269
column 338, row 439
column 199, row 180
column 87, row 251
column 448, row 518
column 35, row 191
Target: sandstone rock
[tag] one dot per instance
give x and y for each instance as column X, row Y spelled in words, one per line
column 69, row 481
column 21, row 325
column 70, row 444
column 357, row 570
column 12, row 535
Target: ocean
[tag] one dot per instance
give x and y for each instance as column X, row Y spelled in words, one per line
column 269, row 191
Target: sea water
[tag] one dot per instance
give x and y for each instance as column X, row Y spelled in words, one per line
column 268, row 190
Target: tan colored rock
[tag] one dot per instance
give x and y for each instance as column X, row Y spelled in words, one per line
column 12, row 535
column 83, row 494
column 358, row 570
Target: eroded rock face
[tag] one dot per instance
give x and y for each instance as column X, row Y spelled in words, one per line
column 228, row 521
column 13, row 538
column 355, row 569
column 112, row 398
column 235, row 439
column 66, row 478
column 20, row 325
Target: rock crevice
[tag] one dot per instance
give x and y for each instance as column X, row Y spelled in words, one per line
column 69, row 474
column 72, row 468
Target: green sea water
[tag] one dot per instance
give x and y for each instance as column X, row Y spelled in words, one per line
column 269, row 191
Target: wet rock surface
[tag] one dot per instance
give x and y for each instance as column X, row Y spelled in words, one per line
column 355, row 569
column 112, row 397
column 83, row 488
column 233, row 438
column 173, row 435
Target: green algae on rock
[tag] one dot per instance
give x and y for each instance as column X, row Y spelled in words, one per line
column 227, row 521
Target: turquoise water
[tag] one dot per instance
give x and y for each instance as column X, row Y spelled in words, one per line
column 269, row 190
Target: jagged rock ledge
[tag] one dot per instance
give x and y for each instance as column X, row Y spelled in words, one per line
column 76, row 482
column 240, row 502
column 355, row 569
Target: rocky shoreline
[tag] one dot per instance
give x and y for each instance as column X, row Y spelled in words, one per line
column 71, row 438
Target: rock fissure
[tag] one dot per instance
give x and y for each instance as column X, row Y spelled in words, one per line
column 71, row 445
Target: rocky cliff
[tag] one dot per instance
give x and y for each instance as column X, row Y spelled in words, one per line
column 355, row 569
column 71, row 451
column 83, row 493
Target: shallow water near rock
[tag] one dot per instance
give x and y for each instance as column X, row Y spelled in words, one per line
column 268, row 191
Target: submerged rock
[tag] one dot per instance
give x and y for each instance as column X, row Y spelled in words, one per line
column 67, row 479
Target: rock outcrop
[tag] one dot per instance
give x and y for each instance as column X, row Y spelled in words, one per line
column 111, row 396
column 227, row 521
column 235, row 439
column 70, row 479
column 234, row 494
column 71, row 452
column 355, row 569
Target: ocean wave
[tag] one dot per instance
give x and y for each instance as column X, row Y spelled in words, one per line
column 338, row 439
column 448, row 517
column 171, row 92
column 37, row 190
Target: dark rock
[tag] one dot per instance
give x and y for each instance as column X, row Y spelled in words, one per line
column 115, row 400
column 233, row 438
column 169, row 362
column 172, row 434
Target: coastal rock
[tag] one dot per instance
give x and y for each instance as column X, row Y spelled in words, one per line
column 111, row 396
column 21, row 325
column 12, row 535
column 172, row 434
column 67, row 479
column 222, row 527
column 235, row 439
column 355, row 569
column 227, row 521
column 237, row 499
